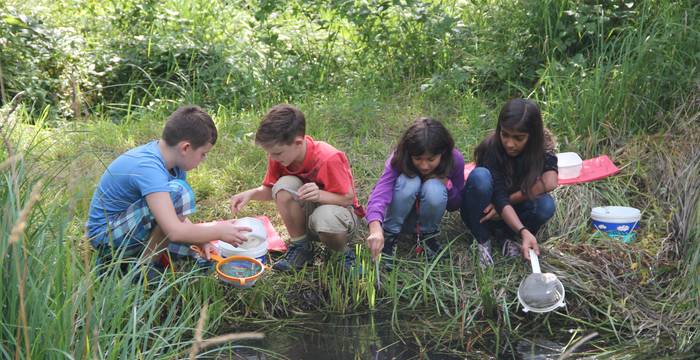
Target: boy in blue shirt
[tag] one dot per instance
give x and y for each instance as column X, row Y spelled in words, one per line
column 142, row 201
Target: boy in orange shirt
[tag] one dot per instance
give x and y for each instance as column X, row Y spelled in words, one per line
column 311, row 184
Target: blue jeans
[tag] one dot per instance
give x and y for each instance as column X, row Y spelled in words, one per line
column 401, row 216
column 477, row 195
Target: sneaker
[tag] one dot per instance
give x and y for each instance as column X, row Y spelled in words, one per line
column 511, row 248
column 298, row 255
column 485, row 257
column 349, row 262
column 430, row 245
column 149, row 274
column 389, row 250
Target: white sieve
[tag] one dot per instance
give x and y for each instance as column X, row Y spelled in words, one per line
column 540, row 292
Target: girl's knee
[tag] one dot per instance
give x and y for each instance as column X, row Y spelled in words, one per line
column 434, row 193
column 545, row 208
column 479, row 180
column 406, row 187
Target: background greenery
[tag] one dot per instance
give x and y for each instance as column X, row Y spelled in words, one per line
column 98, row 78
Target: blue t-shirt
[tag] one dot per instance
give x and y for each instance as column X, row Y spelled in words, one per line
column 129, row 178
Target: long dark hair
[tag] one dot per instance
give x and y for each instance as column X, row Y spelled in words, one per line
column 425, row 135
column 521, row 115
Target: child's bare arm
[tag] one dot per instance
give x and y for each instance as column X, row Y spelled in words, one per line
column 261, row 193
column 180, row 231
column 529, row 241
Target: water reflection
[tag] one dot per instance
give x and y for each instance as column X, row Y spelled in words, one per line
column 356, row 337
column 541, row 349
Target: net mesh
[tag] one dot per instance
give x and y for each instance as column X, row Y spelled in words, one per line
column 540, row 291
column 240, row 268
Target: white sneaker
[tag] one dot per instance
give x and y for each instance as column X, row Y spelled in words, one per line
column 485, row 257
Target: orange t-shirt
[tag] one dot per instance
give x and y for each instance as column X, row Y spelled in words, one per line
column 324, row 165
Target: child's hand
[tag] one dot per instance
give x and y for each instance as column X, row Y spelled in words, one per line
column 208, row 249
column 238, row 201
column 489, row 213
column 375, row 241
column 234, row 234
column 309, row 192
column 529, row 242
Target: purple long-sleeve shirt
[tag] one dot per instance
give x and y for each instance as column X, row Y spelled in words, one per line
column 383, row 190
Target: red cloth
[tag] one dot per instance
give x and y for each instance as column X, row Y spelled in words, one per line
column 324, row 165
column 274, row 241
column 593, row 169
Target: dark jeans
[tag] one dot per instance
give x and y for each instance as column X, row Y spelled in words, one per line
column 477, row 195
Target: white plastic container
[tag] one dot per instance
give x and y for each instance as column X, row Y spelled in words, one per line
column 569, row 164
column 255, row 247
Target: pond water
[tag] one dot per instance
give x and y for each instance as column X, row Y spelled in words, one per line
column 358, row 337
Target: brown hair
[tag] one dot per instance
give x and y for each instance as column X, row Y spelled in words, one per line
column 425, row 135
column 281, row 125
column 190, row 123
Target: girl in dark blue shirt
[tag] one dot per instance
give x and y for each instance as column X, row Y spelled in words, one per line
column 516, row 168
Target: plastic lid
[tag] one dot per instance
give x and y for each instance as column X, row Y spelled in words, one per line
column 616, row 213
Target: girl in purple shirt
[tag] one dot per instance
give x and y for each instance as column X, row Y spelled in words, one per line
column 426, row 166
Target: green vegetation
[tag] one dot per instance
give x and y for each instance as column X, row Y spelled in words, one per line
column 100, row 77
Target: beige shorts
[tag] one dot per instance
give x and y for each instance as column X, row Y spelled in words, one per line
column 333, row 219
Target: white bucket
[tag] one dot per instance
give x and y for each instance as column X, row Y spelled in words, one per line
column 569, row 165
column 616, row 221
column 255, row 247
column 616, row 214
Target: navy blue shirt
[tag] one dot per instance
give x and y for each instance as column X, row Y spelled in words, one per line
column 504, row 186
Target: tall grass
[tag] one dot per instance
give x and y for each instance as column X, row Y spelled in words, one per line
column 55, row 303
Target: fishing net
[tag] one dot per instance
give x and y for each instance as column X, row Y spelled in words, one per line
column 541, row 291
column 240, row 268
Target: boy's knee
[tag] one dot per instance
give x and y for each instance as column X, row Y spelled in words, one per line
column 332, row 219
column 182, row 196
column 286, row 183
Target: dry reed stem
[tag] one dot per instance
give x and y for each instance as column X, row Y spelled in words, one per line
column 230, row 337
column 198, row 332
column 10, row 161
column 15, row 103
column 15, row 234
column 571, row 350
column 200, row 344
column 21, row 223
